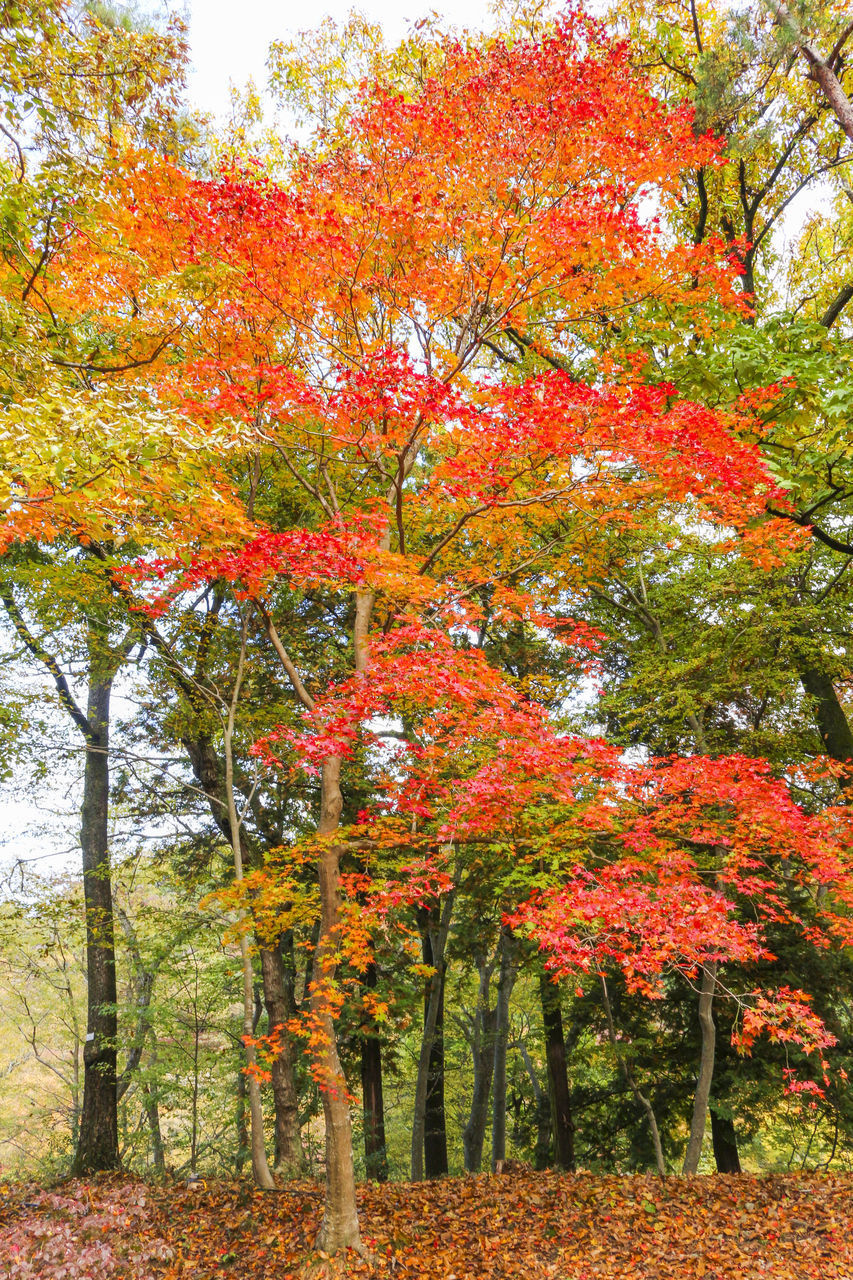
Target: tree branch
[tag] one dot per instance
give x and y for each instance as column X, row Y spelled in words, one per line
column 833, row 311
column 284, row 658
column 826, row 538
column 38, row 650
column 821, row 70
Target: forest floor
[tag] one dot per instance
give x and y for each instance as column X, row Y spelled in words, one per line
column 523, row 1224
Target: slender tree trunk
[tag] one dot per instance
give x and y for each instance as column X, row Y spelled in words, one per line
column 240, row 1122
column 339, row 1228
column 97, row 1145
column 435, row 1123
column 558, row 1075
column 423, row 1079
column 506, row 982
column 143, row 983
column 542, row 1150
column 631, row 1081
column 706, row 1069
column 434, row 1004
column 152, row 1115
column 723, row 1133
column 208, row 772
column 724, row 1138
column 481, row 1038
column 260, row 1167
column 76, row 1063
column 288, row 1140
column 194, row 1105
column 373, row 1108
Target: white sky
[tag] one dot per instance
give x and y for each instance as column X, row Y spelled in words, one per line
column 229, row 39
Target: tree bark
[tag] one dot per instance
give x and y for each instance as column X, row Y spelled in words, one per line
column 143, row 984
column 724, row 1138
column 630, row 1079
column 506, row 982
column 542, row 1150
column 839, row 302
column 289, row 1156
column 437, row 938
column 288, row 1140
column 97, row 1132
column 481, row 1039
column 832, row 723
column 240, row 1122
column 97, row 1145
column 435, row 1121
column 706, row 1069
column 339, row 1228
column 820, row 70
column 373, row 1107
column 260, row 1167
column 152, row 1113
column 558, row 1075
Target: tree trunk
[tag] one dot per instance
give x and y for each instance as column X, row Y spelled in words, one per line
column 820, row 70
column 482, row 1041
column 339, row 1228
column 558, row 1075
column 97, row 1131
column 260, row 1167
column 373, row 1108
column 506, row 982
column 152, row 1113
column 97, row 1144
column 435, row 1124
column 240, row 1121
column 208, row 772
column 288, row 1140
column 542, row 1150
column 706, row 1069
column 434, row 944
column 724, row 1138
column 630, row 1079
column 151, row 1106
column 832, row 722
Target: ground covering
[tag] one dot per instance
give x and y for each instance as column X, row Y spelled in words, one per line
column 521, row 1224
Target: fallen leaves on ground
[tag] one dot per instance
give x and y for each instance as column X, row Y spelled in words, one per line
column 101, row 1229
column 532, row 1225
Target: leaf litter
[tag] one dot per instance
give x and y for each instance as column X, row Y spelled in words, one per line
column 539, row 1226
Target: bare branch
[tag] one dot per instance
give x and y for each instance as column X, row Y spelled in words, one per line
column 284, row 658
column 37, row 649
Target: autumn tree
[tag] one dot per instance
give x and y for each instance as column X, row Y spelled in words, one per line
column 414, row 406
column 71, row 88
column 521, row 237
